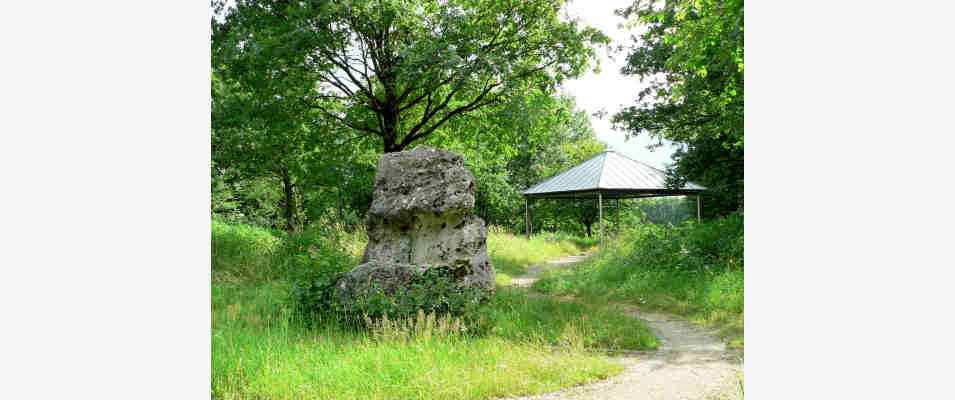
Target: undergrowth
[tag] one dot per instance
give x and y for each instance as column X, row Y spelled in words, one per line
column 694, row 269
column 511, row 345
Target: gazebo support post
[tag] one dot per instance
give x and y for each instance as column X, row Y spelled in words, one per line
column 699, row 209
column 616, row 216
column 600, row 217
column 527, row 219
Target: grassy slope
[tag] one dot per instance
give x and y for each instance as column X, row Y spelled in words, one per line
column 534, row 344
column 695, row 270
column 512, row 254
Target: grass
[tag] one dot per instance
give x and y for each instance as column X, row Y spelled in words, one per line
column 259, row 351
column 515, row 315
column 515, row 345
column 242, row 252
column 694, row 270
column 512, row 254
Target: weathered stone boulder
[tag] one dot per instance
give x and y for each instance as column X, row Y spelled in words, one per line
column 420, row 218
column 387, row 277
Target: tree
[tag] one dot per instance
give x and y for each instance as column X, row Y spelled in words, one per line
column 515, row 144
column 402, row 68
column 262, row 128
column 259, row 137
column 691, row 54
column 298, row 85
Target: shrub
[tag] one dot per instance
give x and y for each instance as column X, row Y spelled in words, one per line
column 433, row 291
column 694, row 269
column 314, row 260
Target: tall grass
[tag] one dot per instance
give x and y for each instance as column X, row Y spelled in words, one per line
column 692, row 269
column 514, row 345
column 242, row 252
column 515, row 315
column 245, row 253
column 530, row 346
column 512, row 254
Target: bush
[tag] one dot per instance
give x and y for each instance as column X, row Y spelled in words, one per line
column 314, row 260
column 694, row 269
column 433, row 291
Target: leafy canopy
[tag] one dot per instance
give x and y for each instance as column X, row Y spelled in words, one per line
column 400, row 69
column 691, row 55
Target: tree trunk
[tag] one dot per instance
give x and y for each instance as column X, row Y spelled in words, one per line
column 390, row 145
column 389, row 119
column 289, row 201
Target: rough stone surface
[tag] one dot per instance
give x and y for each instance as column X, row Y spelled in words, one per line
column 421, row 217
column 385, row 276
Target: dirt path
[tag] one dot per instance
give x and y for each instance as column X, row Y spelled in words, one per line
column 534, row 271
column 691, row 363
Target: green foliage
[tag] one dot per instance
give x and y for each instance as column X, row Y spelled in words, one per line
column 691, row 54
column 242, row 252
column 321, row 249
column 664, row 210
column 311, row 262
column 473, row 76
column 433, row 291
column 514, row 145
column 264, row 125
column 399, row 69
column 255, row 201
column 691, row 269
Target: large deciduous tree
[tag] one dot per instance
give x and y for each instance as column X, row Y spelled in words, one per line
column 516, row 144
column 261, row 126
column 691, row 55
column 401, row 69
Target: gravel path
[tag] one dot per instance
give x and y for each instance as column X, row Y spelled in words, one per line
column 691, row 363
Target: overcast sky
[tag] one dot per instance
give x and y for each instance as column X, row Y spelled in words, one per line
column 610, row 90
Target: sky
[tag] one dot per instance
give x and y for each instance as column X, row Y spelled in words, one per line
column 610, row 90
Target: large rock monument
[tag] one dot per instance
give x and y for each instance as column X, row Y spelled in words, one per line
column 420, row 218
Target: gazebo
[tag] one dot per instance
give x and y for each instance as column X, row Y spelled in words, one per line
column 608, row 175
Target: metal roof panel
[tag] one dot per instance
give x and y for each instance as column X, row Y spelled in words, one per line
column 607, row 170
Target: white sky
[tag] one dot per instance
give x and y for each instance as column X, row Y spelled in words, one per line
column 610, row 90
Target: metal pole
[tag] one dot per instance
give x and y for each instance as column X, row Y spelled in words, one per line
column 617, row 216
column 527, row 219
column 530, row 220
column 600, row 217
column 699, row 208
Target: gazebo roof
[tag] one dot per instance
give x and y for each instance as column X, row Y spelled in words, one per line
column 613, row 175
